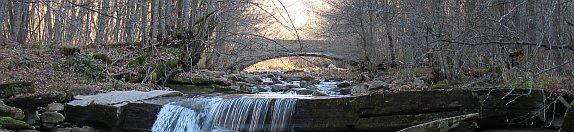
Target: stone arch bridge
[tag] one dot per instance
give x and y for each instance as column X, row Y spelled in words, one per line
column 261, row 50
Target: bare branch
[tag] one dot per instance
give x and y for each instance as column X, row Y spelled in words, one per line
column 547, row 47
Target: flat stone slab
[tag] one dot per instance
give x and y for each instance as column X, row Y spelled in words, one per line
column 120, row 98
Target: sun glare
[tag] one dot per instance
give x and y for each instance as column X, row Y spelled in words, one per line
column 299, row 15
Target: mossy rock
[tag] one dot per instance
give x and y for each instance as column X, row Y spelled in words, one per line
column 13, row 124
column 138, row 60
column 441, row 84
column 166, row 66
column 11, row 89
column 162, row 69
column 10, row 111
column 102, row 57
column 67, row 49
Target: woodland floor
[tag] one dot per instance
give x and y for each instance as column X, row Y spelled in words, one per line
column 54, row 69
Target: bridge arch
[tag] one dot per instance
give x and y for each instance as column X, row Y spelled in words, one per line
column 243, row 65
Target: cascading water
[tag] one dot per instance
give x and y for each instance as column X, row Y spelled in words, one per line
column 217, row 114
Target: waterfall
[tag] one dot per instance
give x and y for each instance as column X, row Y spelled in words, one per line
column 217, row 114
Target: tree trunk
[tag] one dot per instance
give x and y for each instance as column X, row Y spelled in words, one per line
column 391, row 44
column 155, row 21
column 102, row 22
column 3, row 8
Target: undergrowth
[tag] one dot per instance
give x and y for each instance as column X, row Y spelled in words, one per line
column 83, row 64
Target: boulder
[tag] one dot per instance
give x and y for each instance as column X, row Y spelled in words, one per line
column 366, row 87
column 276, row 80
column 344, row 91
column 290, row 86
column 376, row 85
column 245, row 88
column 396, row 111
column 13, row 124
column 15, row 88
column 302, row 91
column 67, row 129
column 38, row 100
column 244, row 83
column 106, row 109
column 55, row 107
column 141, row 115
column 420, row 84
column 279, row 88
column 308, row 78
column 233, row 77
column 52, row 118
column 10, row 111
column 83, row 129
column 462, row 123
column 32, row 116
column 263, row 89
column 306, row 84
column 289, row 78
column 568, row 124
column 252, row 80
column 343, row 84
column 361, row 89
column 319, row 93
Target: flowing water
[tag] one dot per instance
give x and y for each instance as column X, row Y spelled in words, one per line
column 216, row 114
column 266, row 111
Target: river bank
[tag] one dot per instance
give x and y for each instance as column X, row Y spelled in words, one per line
column 47, row 90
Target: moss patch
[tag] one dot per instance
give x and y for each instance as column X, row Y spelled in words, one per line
column 138, row 60
column 540, row 83
column 11, row 89
column 441, row 84
column 83, row 64
column 163, row 68
column 410, row 73
column 13, row 124
column 67, row 49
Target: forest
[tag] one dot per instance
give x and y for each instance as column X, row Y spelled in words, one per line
column 365, row 47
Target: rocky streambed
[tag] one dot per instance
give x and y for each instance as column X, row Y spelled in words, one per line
column 321, row 105
column 481, row 109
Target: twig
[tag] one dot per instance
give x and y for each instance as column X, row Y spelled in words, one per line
column 547, row 47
